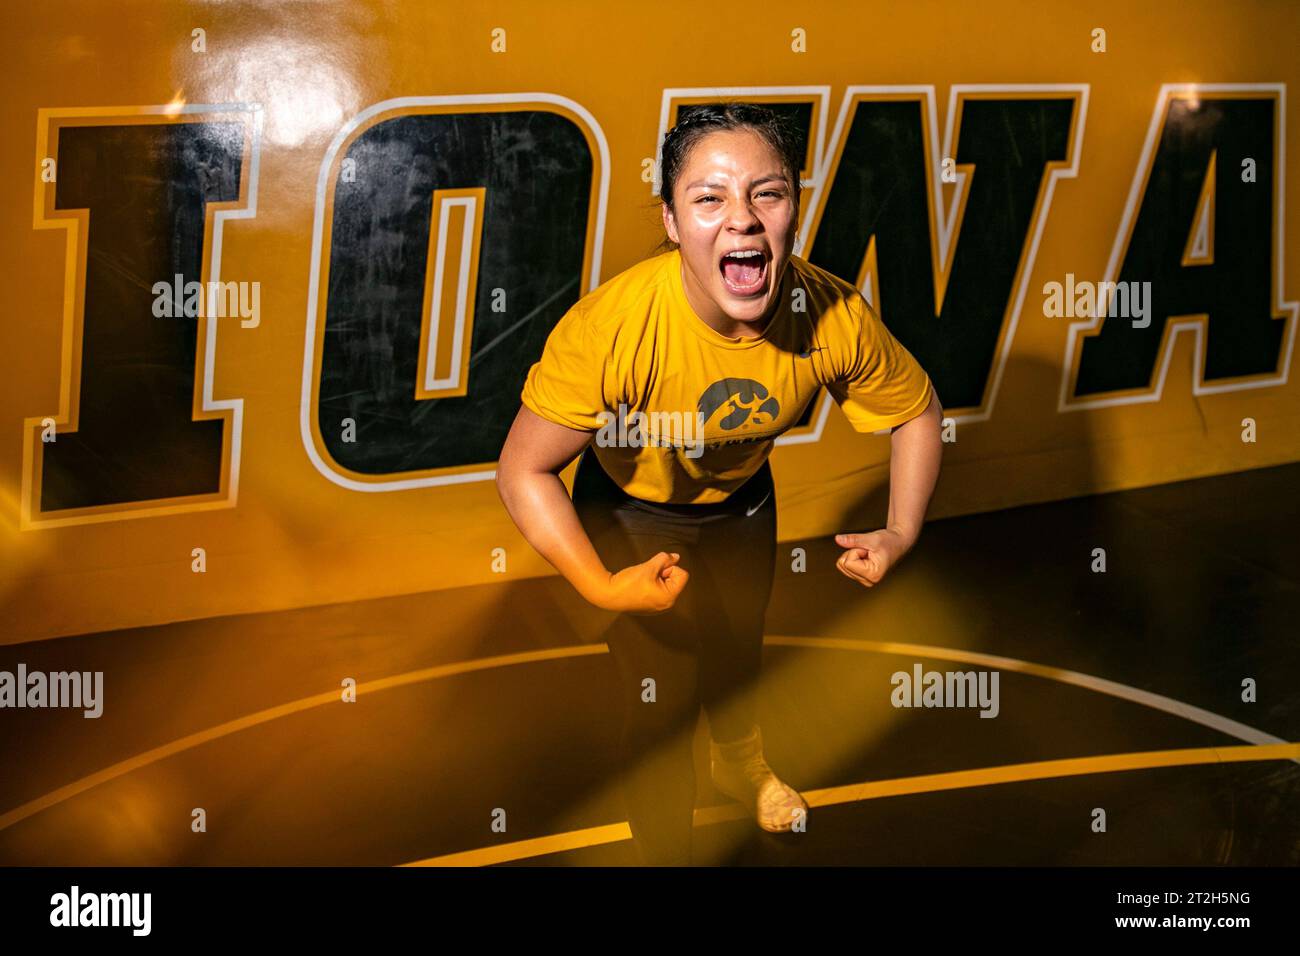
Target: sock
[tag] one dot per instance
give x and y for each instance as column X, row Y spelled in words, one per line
column 739, row 771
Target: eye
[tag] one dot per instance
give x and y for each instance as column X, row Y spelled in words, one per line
column 702, row 198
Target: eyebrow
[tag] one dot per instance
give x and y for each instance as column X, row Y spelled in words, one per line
column 757, row 182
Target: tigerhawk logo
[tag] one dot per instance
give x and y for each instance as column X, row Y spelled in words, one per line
column 734, row 401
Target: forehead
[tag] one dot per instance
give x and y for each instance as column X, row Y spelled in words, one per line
column 740, row 150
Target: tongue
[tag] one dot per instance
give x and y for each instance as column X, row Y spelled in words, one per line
column 741, row 273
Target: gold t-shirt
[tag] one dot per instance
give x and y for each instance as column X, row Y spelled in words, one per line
column 684, row 414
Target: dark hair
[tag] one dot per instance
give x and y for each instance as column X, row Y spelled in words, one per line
column 712, row 117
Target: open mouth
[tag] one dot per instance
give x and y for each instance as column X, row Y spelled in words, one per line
column 744, row 273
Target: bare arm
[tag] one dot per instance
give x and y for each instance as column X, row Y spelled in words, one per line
column 915, row 450
column 914, row 455
column 528, row 479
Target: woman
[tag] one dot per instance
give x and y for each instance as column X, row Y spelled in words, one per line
column 719, row 344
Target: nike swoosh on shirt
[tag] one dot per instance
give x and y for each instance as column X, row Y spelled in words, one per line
column 757, row 506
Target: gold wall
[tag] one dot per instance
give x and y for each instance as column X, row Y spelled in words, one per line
column 284, row 525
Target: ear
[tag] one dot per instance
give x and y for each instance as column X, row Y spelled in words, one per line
column 670, row 223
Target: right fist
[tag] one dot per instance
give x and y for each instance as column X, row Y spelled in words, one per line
column 650, row 587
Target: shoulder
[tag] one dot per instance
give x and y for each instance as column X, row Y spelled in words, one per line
column 628, row 298
column 822, row 279
column 835, row 307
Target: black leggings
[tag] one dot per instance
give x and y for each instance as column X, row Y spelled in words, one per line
column 706, row 649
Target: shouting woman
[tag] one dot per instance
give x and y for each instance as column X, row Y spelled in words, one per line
column 679, row 373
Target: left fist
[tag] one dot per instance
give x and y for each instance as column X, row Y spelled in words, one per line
column 869, row 556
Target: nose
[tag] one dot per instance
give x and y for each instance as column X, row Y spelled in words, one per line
column 741, row 216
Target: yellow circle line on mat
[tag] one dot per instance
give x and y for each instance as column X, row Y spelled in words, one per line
column 68, row 791
column 283, row 710
column 875, row 789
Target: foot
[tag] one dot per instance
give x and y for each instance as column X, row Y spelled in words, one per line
column 739, row 771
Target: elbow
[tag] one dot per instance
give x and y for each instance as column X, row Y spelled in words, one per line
column 504, row 475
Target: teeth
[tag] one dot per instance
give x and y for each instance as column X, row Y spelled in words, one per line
column 744, row 254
